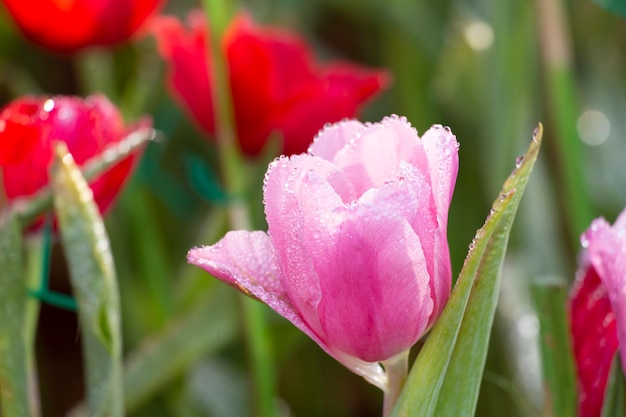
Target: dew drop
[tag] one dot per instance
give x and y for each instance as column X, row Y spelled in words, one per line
column 48, row 105
column 584, row 242
column 519, row 160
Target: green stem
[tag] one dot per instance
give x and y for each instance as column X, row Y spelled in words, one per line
column 95, row 69
column 37, row 258
column 562, row 95
column 233, row 173
column 396, row 369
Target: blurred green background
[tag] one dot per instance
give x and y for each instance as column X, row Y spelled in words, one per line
column 491, row 70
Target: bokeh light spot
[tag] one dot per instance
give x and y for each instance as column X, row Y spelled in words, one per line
column 479, row 35
column 593, row 127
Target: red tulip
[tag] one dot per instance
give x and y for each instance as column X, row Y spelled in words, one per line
column 276, row 84
column 594, row 339
column 598, row 311
column 69, row 25
column 30, row 125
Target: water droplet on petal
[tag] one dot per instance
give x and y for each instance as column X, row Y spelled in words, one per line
column 48, row 105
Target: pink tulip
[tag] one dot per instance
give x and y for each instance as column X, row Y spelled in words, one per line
column 598, row 310
column 356, row 255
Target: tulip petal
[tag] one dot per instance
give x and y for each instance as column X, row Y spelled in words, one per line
column 285, row 218
column 607, row 254
column 384, row 283
column 364, row 298
column 248, row 262
column 68, row 26
column 441, row 149
column 373, row 157
column 332, row 138
column 594, row 340
column 436, row 157
column 185, row 51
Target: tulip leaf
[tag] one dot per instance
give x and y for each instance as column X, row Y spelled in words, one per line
column 30, row 208
column 556, row 349
column 94, row 284
column 188, row 336
column 13, row 361
column 445, row 378
column 186, row 339
column 614, row 404
column 614, row 6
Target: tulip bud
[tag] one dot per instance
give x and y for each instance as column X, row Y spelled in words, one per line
column 29, row 126
column 597, row 310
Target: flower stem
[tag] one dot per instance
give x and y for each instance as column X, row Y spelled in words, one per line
column 233, row 173
column 397, row 369
column 37, row 258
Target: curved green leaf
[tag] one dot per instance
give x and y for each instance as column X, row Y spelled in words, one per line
column 94, row 284
column 446, row 375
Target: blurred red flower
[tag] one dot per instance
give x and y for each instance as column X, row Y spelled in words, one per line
column 30, row 125
column 276, row 84
column 598, row 311
column 69, row 25
column 594, row 339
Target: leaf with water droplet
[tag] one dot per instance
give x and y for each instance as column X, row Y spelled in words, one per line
column 456, row 348
column 94, row 284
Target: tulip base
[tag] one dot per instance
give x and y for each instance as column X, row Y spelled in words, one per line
column 396, row 369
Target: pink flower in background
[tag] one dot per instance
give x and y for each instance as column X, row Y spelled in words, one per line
column 70, row 25
column 30, row 125
column 598, row 310
column 276, row 83
column 356, row 255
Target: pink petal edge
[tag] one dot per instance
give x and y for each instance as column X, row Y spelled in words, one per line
column 247, row 261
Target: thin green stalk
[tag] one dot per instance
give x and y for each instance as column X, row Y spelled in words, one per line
column 37, row 258
column 559, row 376
column 396, row 369
column 562, row 99
column 233, row 173
column 95, row 69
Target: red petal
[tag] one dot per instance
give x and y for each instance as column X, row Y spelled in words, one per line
column 70, row 25
column 594, row 338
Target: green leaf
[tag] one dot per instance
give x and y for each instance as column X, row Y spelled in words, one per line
column 13, row 362
column 94, row 284
column 446, row 375
column 614, row 404
column 615, row 6
column 208, row 325
column 556, row 351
